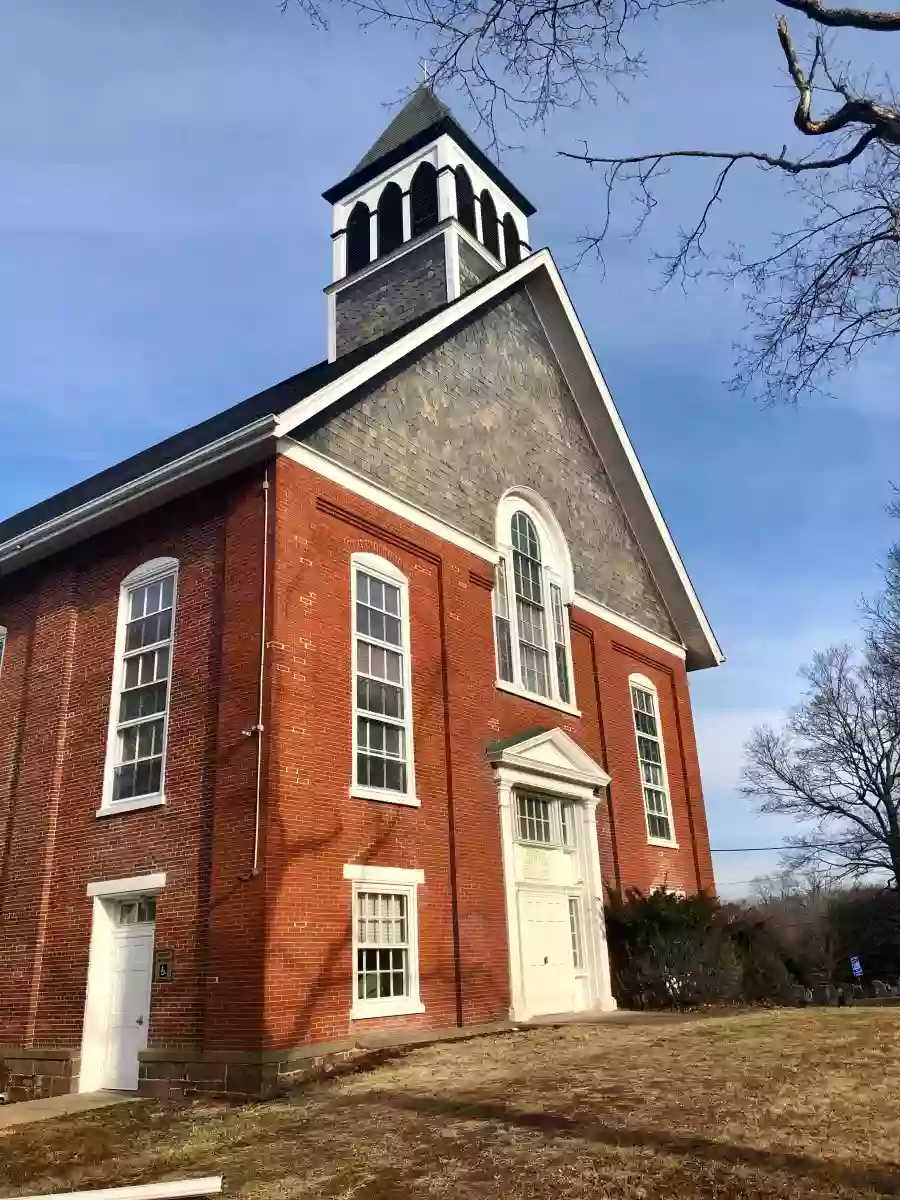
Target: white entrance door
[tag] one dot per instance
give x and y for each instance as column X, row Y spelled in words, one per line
column 131, row 969
column 547, row 967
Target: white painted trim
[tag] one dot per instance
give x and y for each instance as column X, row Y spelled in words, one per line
column 376, row 263
column 176, row 1189
column 383, row 569
column 135, row 804
column 328, row 468
column 625, row 623
column 406, row 881
column 68, row 524
column 365, row 873
column 125, row 887
column 646, row 684
column 546, row 701
column 444, row 319
column 147, row 573
column 3, row 637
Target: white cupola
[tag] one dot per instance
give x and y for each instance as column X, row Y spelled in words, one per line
column 424, row 217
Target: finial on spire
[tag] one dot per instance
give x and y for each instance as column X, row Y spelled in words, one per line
column 423, row 63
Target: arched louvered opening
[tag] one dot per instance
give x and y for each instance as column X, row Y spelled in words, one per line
column 490, row 230
column 423, row 197
column 465, row 200
column 358, row 245
column 390, row 219
column 511, row 246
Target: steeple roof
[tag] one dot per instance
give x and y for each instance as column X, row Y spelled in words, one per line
column 421, row 120
column 422, row 110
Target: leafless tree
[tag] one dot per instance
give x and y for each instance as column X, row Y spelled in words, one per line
column 829, row 287
column 836, row 765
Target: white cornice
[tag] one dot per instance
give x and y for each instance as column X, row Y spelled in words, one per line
column 629, row 626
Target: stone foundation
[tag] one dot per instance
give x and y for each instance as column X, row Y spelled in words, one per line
column 29, row 1073
column 176, row 1074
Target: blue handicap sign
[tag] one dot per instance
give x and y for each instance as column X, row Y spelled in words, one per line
column 855, row 967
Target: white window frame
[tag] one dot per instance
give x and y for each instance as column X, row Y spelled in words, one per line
column 556, row 571
column 148, row 573
column 383, row 569
column 3, row 637
column 557, row 839
column 643, row 683
column 392, row 881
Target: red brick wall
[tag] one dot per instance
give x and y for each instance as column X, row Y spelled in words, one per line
column 314, row 827
column 54, row 704
column 264, row 961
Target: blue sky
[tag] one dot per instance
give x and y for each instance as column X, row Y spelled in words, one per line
column 163, row 246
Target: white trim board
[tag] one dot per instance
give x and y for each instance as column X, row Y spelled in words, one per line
column 376, row 493
column 125, row 887
column 364, row 873
column 176, row 1189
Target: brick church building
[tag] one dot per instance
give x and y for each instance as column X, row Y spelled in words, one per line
column 339, row 712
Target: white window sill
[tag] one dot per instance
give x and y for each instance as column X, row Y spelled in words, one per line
column 359, row 792
column 547, row 701
column 114, row 808
column 361, row 1011
column 652, row 841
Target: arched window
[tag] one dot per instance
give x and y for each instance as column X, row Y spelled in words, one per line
column 390, row 219
column 142, row 675
column 490, row 231
column 651, row 759
column 535, row 571
column 358, row 244
column 423, row 199
column 511, row 246
column 465, row 200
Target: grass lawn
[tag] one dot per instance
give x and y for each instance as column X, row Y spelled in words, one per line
column 782, row 1104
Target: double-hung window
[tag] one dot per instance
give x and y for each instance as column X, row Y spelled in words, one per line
column 531, row 619
column 651, row 759
column 141, row 687
column 385, row 940
column 382, row 716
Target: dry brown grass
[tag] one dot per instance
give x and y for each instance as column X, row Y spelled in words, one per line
column 779, row 1104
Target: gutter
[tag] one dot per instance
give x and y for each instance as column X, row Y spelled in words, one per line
column 70, row 526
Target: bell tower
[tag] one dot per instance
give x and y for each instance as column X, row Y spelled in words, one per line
column 424, row 217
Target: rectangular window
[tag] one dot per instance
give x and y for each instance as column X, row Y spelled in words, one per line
column 385, row 939
column 534, row 818
column 559, row 643
column 652, row 763
column 382, row 941
column 381, row 684
column 142, row 699
column 501, row 626
column 575, row 930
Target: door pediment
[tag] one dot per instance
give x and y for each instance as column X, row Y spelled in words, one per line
column 550, row 753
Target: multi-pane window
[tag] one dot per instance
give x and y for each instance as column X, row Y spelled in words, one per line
column 137, row 911
column 559, row 643
column 567, row 826
column 531, row 620
column 652, row 762
column 382, row 946
column 142, row 698
column 575, row 930
column 381, row 685
column 528, row 576
column 501, row 626
column 534, row 818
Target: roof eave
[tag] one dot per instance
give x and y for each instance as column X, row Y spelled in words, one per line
column 452, row 129
column 169, row 481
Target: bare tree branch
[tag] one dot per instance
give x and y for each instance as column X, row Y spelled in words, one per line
column 855, row 18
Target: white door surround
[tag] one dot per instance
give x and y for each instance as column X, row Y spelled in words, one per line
column 540, row 881
column 120, row 968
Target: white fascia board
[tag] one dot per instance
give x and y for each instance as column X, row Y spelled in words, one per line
column 311, row 406
column 148, row 490
column 375, row 493
column 176, row 1189
column 364, row 873
column 625, row 623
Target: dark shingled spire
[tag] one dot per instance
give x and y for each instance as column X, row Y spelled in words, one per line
column 421, row 111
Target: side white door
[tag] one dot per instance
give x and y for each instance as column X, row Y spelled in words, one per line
column 131, row 970
column 549, row 979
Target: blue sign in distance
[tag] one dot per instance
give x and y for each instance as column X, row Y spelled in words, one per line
column 855, row 967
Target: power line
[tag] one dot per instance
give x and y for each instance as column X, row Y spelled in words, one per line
column 759, row 849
